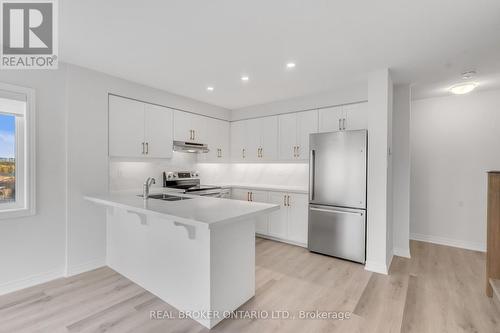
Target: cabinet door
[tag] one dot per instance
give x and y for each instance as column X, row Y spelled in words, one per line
column 253, row 138
column 356, row 116
column 330, row 119
column 126, row 127
column 261, row 225
column 184, row 124
column 221, row 129
column 238, row 141
column 297, row 218
column 278, row 219
column 307, row 123
column 287, row 136
column 240, row 194
column 269, row 138
column 158, row 131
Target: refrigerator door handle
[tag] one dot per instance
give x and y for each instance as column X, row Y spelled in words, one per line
column 335, row 211
column 312, row 167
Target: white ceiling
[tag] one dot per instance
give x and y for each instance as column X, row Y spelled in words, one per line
column 183, row 46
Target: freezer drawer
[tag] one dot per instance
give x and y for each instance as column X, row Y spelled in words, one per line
column 338, row 232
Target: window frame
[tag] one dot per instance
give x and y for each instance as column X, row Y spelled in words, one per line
column 25, row 157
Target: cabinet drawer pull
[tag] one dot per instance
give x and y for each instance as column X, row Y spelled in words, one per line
column 343, row 124
column 243, row 152
column 288, row 200
column 284, row 200
column 147, row 148
column 340, row 124
column 298, row 151
column 143, row 148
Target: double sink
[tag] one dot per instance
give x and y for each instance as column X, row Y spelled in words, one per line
column 167, row 197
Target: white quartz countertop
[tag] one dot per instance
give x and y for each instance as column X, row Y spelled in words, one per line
column 207, row 211
column 266, row 187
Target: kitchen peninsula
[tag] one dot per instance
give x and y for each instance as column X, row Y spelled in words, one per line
column 195, row 253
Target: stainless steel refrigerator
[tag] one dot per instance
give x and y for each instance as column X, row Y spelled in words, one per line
column 337, row 194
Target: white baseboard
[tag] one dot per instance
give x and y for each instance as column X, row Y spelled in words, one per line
column 85, row 267
column 30, row 281
column 475, row 246
column 400, row 252
column 376, row 267
column 281, row 240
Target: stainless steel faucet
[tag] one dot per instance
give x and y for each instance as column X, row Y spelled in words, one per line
column 145, row 187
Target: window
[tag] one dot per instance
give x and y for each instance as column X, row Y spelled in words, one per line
column 17, row 158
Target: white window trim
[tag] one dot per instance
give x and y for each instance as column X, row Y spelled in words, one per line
column 29, row 158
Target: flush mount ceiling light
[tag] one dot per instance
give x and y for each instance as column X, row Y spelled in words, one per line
column 464, row 87
column 210, row 88
column 290, row 65
column 244, row 78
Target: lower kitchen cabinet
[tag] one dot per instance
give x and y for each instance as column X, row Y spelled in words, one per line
column 261, row 225
column 278, row 219
column 289, row 224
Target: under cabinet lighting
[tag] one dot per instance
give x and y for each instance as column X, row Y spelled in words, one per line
column 244, row 78
column 210, row 88
column 290, row 65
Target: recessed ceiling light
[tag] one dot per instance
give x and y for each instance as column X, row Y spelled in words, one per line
column 290, row 65
column 210, row 88
column 244, row 78
column 463, row 88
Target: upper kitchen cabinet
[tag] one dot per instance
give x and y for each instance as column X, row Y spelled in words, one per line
column 217, row 137
column 138, row 129
column 238, row 141
column 189, row 127
column 254, row 140
column 263, row 138
column 356, row 116
column 346, row 117
column 294, row 130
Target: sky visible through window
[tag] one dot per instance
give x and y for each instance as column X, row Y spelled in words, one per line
column 7, row 155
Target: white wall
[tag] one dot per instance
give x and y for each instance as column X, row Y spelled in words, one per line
column 454, row 141
column 351, row 93
column 67, row 234
column 401, row 170
column 32, row 249
column 379, row 100
column 88, row 168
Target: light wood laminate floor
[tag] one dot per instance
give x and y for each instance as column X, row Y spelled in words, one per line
column 439, row 290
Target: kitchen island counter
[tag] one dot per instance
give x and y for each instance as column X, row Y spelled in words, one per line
column 198, row 254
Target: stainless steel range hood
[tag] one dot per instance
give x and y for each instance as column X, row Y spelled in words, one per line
column 190, row 147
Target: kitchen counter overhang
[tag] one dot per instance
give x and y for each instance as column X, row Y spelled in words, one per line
column 206, row 272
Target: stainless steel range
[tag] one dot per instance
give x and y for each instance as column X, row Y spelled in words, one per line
column 189, row 182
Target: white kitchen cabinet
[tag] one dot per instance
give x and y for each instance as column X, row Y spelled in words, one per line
column 261, row 224
column 268, row 138
column 297, row 205
column 216, row 136
column 287, row 136
column 138, row 129
column 278, row 219
column 158, row 131
column 307, row 123
column 238, row 141
column 356, row 116
column 189, row 127
column 330, row 119
column 126, row 127
column 254, row 140
column 294, row 130
column 346, row 117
